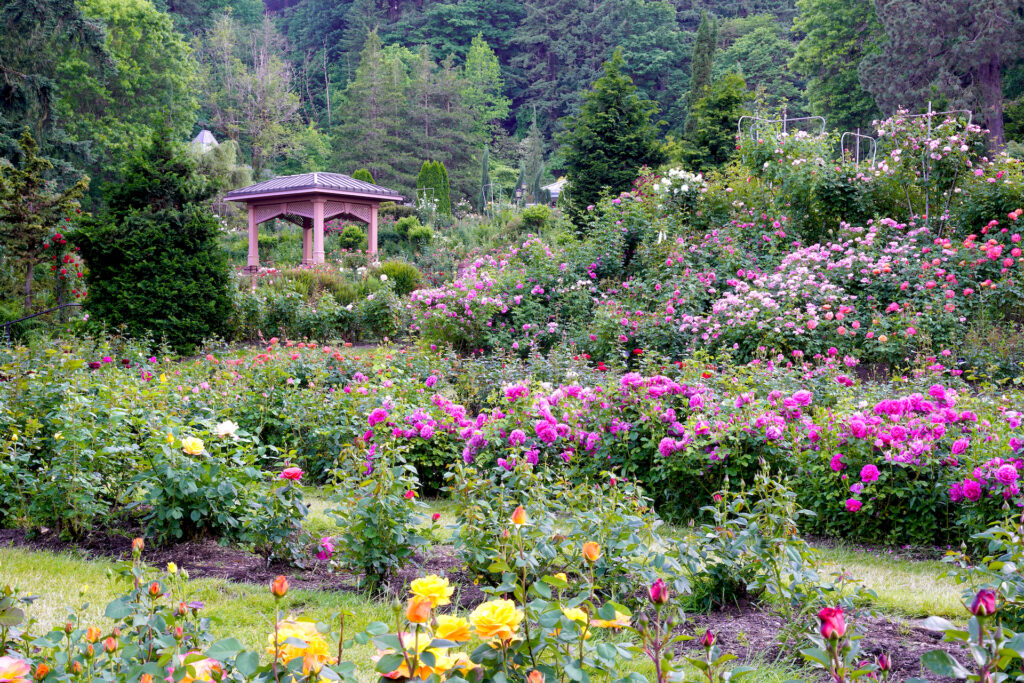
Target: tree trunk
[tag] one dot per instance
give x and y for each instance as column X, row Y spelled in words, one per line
column 29, row 275
column 991, row 88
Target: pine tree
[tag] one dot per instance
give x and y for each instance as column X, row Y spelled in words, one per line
column 444, row 188
column 532, row 150
column 713, row 140
column 950, row 48
column 611, row 138
column 701, row 64
column 482, row 93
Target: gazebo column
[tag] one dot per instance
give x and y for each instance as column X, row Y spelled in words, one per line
column 372, row 237
column 318, row 231
column 307, row 241
column 253, row 263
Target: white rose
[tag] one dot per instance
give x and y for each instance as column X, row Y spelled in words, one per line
column 225, row 428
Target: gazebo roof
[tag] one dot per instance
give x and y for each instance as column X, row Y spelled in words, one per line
column 305, row 183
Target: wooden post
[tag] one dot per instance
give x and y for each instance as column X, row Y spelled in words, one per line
column 253, row 263
column 318, row 231
column 372, row 237
column 307, row 241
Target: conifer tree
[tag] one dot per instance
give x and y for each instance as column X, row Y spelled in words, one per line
column 701, row 64
column 485, row 180
column 611, row 138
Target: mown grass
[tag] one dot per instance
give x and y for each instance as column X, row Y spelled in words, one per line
column 906, row 589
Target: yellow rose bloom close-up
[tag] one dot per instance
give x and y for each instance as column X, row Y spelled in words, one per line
column 496, row 620
column 192, row 445
column 433, row 588
column 620, row 621
column 316, row 651
column 452, row 628
column 576, row 614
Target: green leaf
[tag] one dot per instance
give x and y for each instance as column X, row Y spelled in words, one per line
column 224, row 649
column 388, row 663
column 942, row 663
column 247, row 663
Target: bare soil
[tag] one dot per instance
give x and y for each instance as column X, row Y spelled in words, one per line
column 745, row 630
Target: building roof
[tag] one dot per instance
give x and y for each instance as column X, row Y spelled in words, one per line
column 555, row 188
column 205, row 139
column 329, row 183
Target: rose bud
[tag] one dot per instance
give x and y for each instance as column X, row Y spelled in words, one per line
column 76, row 667
column 658, row 592
column 832, row 624
column 535, row 677
column 418, row 611
column 279, row 587
column 984, row 603
column 883, row 662
column 519, row 516
column 708, row 639
column 137, row 545
column 154, row 589
column 41, row 671
column 110, row 644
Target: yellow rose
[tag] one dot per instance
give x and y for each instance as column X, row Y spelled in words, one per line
column 433, row 588
column 192, row 445
column 620, row 621
column 452, row 628
column 172, row 568
column 496, row 620
column 576, row 614
column 316, row 652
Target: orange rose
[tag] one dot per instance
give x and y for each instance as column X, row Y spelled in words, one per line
column 519, row 516
column 279, row 587
column 418, row 611
column 591, row 551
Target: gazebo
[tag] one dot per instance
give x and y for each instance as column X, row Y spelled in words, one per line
column 309, row 199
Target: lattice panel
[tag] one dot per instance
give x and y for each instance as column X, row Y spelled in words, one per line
column 268, row 211
column 360, row 212
column 301, row 209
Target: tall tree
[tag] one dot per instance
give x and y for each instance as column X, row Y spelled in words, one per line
column 611, row 138
column 372, row 125
column 701, row 64
column 38, row 35
column 30, row 211
column 837, row 35
column 154, row 262
column 760, row 53
column 531, row 151
column 152, row 83
column 955, row 48
column 484, row 86
column 248, row 90
column 713, row 140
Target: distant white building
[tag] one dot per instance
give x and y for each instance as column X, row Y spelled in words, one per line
column 205, row 141
column 555, row 188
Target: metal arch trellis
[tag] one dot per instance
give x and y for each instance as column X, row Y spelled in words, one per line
column 785, row 122
column 858, row 137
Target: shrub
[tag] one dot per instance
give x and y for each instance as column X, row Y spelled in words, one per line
column 420, row 234
column 155, row 265
column 536, row 217
column 377, row 512
column 404, row 277
column 395, row 211
column 404, row 225
column 364, row 175
column 352, row 238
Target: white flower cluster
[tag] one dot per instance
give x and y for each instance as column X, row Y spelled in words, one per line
column 679, row 181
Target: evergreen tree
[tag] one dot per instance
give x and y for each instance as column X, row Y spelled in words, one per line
column 611, row 138
column 482, row 93
column 444, row 205
column 364, row 175
column 29, row 212
column 837, row 34
column 373, row 127
column 485, row 180
column 760, row 53
column 951, row 48
column 701, row 64
column 713, row 140
column 532, row 152
column 155, row 264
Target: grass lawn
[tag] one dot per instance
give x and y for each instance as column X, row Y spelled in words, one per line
column 906, row 589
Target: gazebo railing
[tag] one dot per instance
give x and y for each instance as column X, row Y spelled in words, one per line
column 7, row 325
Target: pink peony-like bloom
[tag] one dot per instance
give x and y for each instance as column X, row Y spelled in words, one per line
column 971, row 490
column 291, row 474
column 868, row 474
column 836, row 463
column 853, row 505
column 959, row 446
column 326, row 549
column 377, row 415
column 1006, row 474
column 517, row 437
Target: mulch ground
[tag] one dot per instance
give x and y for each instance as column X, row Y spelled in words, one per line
column 744, row 630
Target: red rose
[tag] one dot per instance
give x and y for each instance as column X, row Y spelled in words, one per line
column 832, row 624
